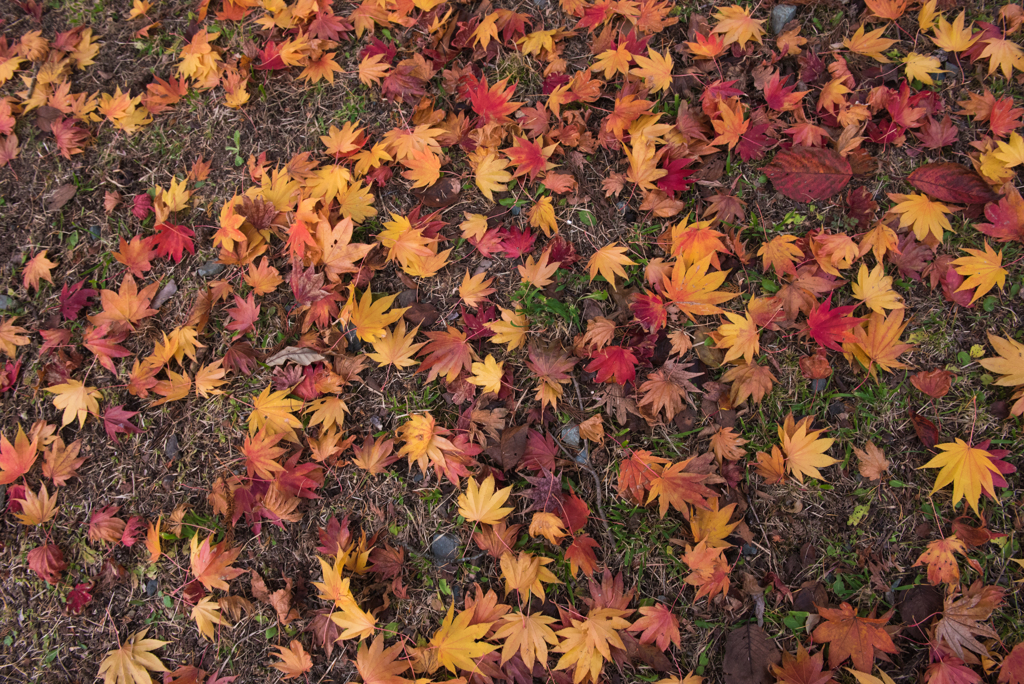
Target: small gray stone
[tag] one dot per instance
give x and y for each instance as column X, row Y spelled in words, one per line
column 166, row 292
column 210, row 269
column 955, row 72
column 8, row 303
column 445, row 547
column 171, row 448
column 571, row 435
column 151, row 587
column 376, row 424
column 3, row 495
column 583, row 455
column 782, row 15
column 355, row 345
column 95, row 232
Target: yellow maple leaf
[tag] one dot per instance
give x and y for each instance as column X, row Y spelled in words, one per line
column 475, row 289
column 1009, row 363
column 737, row 26
column 655, row 69
column 424, row 168
column 474, row 227
column 982, row 269
column 396, row 348
column 922, row 67
column 1010, row 153
column 273, row 412
column 926, row 216
column 38, row 267
column 456, row 644
column 488, row 374
column 527, row 635
column 1003, row 54
column 586, row 645
column 953, row 37
column 805, row 451
column 370, row 318
column 877, row 342
column 525, row 573
column 740, row 337
column 969, row 469
column 129, row 663
column 871, row 44
column 614, row 61
column 371, row 70
column 11, row 337
column 482, row 504
column 490, row 175
column 510, row 330
column 542, row 215
column 694, row 290
column 547, row 525
column 37, row 509
column 76, row 400
column 608, row 262
column 874, row 288
column 206, row 613
column 942, row 565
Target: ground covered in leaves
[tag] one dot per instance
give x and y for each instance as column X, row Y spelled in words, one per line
column 568, row 341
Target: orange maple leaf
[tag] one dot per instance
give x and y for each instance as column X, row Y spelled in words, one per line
column 850, row 636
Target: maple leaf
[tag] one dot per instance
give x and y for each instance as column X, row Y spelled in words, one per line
column 739, row 336
column 273, row 413
column 206, row 613
column 47, row 561
column 132, row 662
column 982, row 270
column 850, row 636
column 76, row 400
column 581, row 556
column 609, row 262
column 528, row 635
column 211, row 564
column 396, row 348
column 11, row 337
column 538, row 273
column 659, row 625
column 953, row 37
column 731, row 126
column 872, row 463
column 970, row 469
column 877, row 343
column 831, row 327
column 805, row 452
column 105, row 526
column 38, row 267
column 116, row 420
column 922, row 67
column 374, row 456
column 680, row 484
column 293, row 661
column 737, row 26
column 655, row 69
column 172, row 241
column 939, row 558
column 379, row 665
column 749, row 380
column 481, row 503
column 492, row 103
column 448, row 353
column 475, row 289
column 529, row 157
column 871, row 44
column 804, row 668
column 74, row 299
column 487, row 375
column 456, row 644
column 127, row 306
column 17, row 459
column 695, row 291
column 874, row 288
column 424, row 168
column 666, row 388
column 1011, row 670
column 961, row 618
column 261, row 455
column 37, row 509
column 586, row 645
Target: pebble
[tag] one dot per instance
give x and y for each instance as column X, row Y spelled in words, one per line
column 151, row 587
column 8, row 303
column 210, row 269
column 571, row 435
column 583, row 455
column 376, row 424
column 95, row 232
column 171, row 448
column 782, row 15
column 819, row 384
column 445, row 547
column 354, row 343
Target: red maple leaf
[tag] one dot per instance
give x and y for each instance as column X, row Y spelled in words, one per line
column 650, row 310
column 336, row 538
column 270, row 58
column 517, row 242
column 75, row 298
column 448, row 353
column 328, row 26
column 1004, row 117
column 47, row 561
column 172, row 241
column 754, row 143
column 492, row 103
column 79, row 598
column 528, row 157
column 1007, row 217
column 613, row 363
column 780, row 97
column 677, row 173
column 243, row 315
column 69, row 137
column 831, row 327
column 105, row 345
column 116, row 420
column 935, row 134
